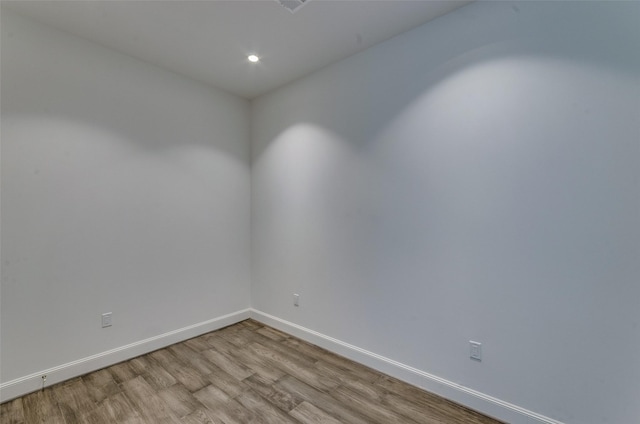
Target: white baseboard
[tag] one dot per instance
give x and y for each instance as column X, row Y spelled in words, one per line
column 470, row 398
column 30, row 383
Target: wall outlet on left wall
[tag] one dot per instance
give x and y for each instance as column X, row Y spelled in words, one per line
column 106, row 319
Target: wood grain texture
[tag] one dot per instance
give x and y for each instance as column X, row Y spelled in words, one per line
column 245, row 373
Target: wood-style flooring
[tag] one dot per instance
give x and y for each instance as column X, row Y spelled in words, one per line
column 245, row 373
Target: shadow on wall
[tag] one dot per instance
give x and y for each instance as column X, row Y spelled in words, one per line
column 72, row 83
column 380, row 84
column 484, row 166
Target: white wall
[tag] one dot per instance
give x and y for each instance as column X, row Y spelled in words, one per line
column 475, row 178
column 125, row 189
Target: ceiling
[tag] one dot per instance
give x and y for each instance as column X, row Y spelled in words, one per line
column 209, row 40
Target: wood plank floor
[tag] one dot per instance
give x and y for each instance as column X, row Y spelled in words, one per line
column 245, row 373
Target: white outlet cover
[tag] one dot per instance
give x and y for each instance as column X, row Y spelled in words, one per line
column 296, row 299
column 106, row 320
column 475, row 349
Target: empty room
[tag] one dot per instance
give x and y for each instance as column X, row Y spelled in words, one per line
column 320, row 211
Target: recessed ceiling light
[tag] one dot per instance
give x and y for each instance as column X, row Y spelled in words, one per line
column 253, row 58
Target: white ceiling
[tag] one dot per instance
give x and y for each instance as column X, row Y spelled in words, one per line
column 210, row 40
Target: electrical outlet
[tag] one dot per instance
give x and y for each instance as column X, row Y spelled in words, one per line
column 106, row 319
column 475, row 350
column 296, row 299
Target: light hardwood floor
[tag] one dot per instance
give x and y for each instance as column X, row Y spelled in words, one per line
column 245, row 373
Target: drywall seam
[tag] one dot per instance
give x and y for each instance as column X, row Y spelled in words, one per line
column 470, row 398
column 30, row 383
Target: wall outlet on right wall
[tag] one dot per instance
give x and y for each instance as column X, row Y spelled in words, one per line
column 475, row 350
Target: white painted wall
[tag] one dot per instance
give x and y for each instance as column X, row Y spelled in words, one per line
column 125, row 189
column 475, row 178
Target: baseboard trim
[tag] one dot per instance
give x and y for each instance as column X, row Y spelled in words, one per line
column 33, row 382
column 470, row 398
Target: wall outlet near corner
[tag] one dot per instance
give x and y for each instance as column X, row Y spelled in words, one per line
column 106, row 319
column 296, row 299
column 475, row 349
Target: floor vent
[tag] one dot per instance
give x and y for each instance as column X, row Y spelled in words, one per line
column 292, row 5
